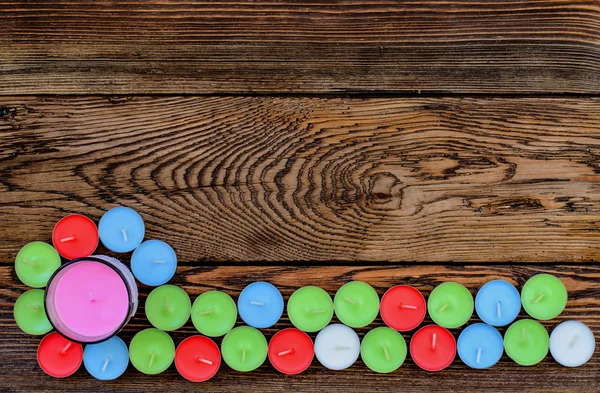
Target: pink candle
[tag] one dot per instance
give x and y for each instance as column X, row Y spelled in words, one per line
column 90, row 299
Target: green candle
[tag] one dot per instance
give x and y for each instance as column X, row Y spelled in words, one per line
column 526, row 342
column 151, row 351
column 450, row 305
column 30, row 314
column 244, row 348
column 310, row 309
column 168, row 307
column 35, row 264
column 383, row 350
column 544, row 296
column 356, row 304
column 214, row 313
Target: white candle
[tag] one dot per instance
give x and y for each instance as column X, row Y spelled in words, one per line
column 572, row 343
column 337, row 347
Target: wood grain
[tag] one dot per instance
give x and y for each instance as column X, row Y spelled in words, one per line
column 19, row 371
column 278, row 46
column 301, row 179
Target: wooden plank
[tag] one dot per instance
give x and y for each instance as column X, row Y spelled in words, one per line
column 278, row 46
column 300, row 179
column 19, row 370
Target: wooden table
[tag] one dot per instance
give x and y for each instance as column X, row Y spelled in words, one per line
column 310, row 143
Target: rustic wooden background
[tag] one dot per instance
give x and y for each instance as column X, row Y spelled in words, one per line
column 310, row 143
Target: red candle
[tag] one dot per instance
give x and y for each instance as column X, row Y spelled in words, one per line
column 197, row 358
column 291, row 351
column 403, row 308
column 75, row 236
column 433, row 348
column 59, row 357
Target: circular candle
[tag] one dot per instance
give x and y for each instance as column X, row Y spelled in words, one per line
column 107, row 360
column 291, row 351
column 450, row 305
column 310, row 309
column 337, row 347
column 30, row 314
column 480, row 346
column 59, row 357
column 498, row 303
column 153, row 263
column 403, row 308
column 151, row 351
column 383, row 350
column 75, row 236
column 433, row 348
column 90, row 299
column 544, row 296
column 168, row 307
column 244, row 348
column 35, row 263
column 526, row 342
column 572, row 343
column 197, row 358
column 356, row 304
column 121, row 229
column 214, row 313
column 260, row 305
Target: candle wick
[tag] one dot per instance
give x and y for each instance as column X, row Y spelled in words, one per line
column 499, row 310
column 66, row 348
column 341, row 347
column 167, row 302
column 205, row 361
column 159, row 261
column 67, row 239
column 407, row 307
column 523, row 334
column 536, row 301
column 444, row 306
column 317, row 311
column 243, row 356
column 28, row 262
column 151, row 360
column 572, row 343
column 286, row 352
column 207, row 312
column 105, row 364
column 33, row 307
column 124, row 232
column 386, row 353
column 478, row 355
column 350, row 301
column 255, row 303
column 434, row 341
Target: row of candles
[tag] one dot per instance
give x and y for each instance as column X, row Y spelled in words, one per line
column 89, row 299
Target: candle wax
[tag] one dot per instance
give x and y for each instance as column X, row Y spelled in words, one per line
column 480, row 346
column 154, row 263
column 107, row 360
column 356, row 304
column 310, row 309
column 498, row 303
column 30, row 314
column 168, row 307
column 75, row 236
column 450, row 305
column 197, row 358
column 433, row 348
column 151, row 351
column 35, row 263
column 121, row 229
column 572, row 343
column 260, row 305
column 59, row 357
column 383, row 350
column 214, row 313
column 544, row 297
column 291, row 351
column 526, row 342
column 403, row 308
column 244, row 348
column 337, row 347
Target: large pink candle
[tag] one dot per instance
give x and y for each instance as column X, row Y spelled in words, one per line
column 90, row 299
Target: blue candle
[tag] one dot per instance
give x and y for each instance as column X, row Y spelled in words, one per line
column 480, row 346
column 153, row 263
column 107, row 360
column 498, row 303
column 121, row 229
column 260, row 305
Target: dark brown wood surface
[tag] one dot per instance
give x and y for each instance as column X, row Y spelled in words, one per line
column 321, row 46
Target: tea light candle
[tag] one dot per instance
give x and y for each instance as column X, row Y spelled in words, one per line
column 35, row 263
column 450, row 305
column 310, row 309
column 480, row 346
column 75, row 236
column 197, row 358
column 383, row 350
column 121, row 229
column 59, row 357
column 214, row 313
column 526, row 342
column 260, row 305
column 356, row 304
column 30, row 314
column 572, row 343
column 403, row 308
column 107, row 360
column 168, row 307
column 153, row 263
column 544, row 297
column 89, row 300
column 433, row 348
column 498, row 303
column 337, row 347
column 151, row 351
column 291, row 351
column 244, row 348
